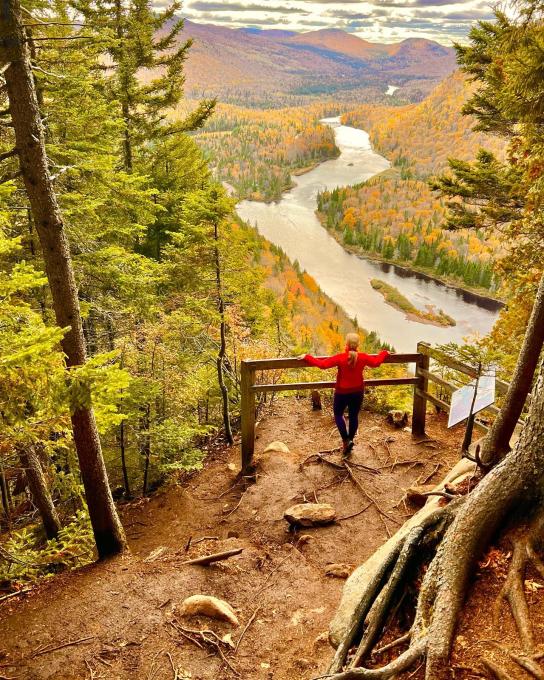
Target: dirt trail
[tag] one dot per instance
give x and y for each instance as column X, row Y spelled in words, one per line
column 126, row 606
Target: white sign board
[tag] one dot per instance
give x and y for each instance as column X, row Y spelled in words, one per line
column 461, row 399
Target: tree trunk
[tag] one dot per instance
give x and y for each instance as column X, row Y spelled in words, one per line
column 223, row 343
column 6, row 504
column 124, row 87
column 512, row 489
column 30, row 145
column 123, row 459
column 145, row 446
column 37, row 484
column 516, row 481
column 496, row 444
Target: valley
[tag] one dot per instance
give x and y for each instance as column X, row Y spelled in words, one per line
column 271, row 334
column 292, row 225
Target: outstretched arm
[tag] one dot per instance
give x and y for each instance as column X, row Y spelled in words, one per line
column 375, row 360
column 327, row 362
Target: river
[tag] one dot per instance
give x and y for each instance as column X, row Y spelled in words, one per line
column 292, row 225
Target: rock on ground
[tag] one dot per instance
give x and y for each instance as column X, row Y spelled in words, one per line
column 339, row 570
column 310, row 514
column 207, row 605
column 397, row 418
column 278, row 446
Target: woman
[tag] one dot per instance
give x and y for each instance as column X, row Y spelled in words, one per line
column 349, row 389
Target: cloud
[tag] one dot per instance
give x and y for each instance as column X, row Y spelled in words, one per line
column 253, row 21
column 374, row 20
column 346, row 14
column 206, row 6
column 417, row 3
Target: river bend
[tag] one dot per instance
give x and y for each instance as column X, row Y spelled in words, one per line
column 292, row 225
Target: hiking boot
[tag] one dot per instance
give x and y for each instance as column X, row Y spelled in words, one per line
column 348, row 448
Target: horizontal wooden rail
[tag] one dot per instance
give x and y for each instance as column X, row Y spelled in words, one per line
column 272, row 364
column 446, row 407
column 450, row 387
column 329, row 384
column 446, row 360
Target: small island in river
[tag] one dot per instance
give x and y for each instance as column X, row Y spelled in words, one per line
column 397, row 300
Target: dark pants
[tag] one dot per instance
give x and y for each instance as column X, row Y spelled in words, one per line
column 352, row 402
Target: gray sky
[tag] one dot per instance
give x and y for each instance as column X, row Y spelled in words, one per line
column 374, row 20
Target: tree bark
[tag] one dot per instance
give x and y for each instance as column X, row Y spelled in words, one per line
column 4, row 489
column 223, row 341
column 37, row 484
column 496, row 444
column 515, row 481
column 48, row 222
column 122, row 448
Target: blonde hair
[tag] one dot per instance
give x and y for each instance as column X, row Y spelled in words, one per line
column 352, row 341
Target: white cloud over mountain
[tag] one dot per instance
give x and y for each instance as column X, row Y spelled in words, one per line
column 375, row 20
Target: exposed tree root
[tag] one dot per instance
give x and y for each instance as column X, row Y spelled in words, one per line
column 513, row 591
column 526, row 662
column 376, row 600
column 465, row 527
column 402, row 663
column 496, row 671
column 380, row 607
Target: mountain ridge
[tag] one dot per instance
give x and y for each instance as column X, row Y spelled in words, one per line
column 267, row 63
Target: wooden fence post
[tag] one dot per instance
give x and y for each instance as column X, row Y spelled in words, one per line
column 247, row 416
column 419, row 411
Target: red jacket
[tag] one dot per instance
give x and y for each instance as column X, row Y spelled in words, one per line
column 350, row 376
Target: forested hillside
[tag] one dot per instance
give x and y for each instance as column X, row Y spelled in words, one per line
column 256, row 151
column 273, row 69
column 215, row 516
column 396, row 216
column 173, row 291
column 419, row 138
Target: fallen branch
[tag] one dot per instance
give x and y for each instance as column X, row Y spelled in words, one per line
column 231, row 512
column 355, row 514
column 206, row 538
column 70, row 643
column 391, row 645
column 442, row 494
column 207, row 638
column 216, row 557
column 17, row 592
column 322, row 459
column 429, row 477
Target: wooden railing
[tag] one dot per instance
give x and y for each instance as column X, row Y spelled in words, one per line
column 422, row 394
column 249, row 389
column 423, row 376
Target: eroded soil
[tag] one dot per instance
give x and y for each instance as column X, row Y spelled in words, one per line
column 128, row 608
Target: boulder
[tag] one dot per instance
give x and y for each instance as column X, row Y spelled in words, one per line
column 278, row 446
column 206, row 605
column 339, row 570
column 310, row 514
column 397, row 418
